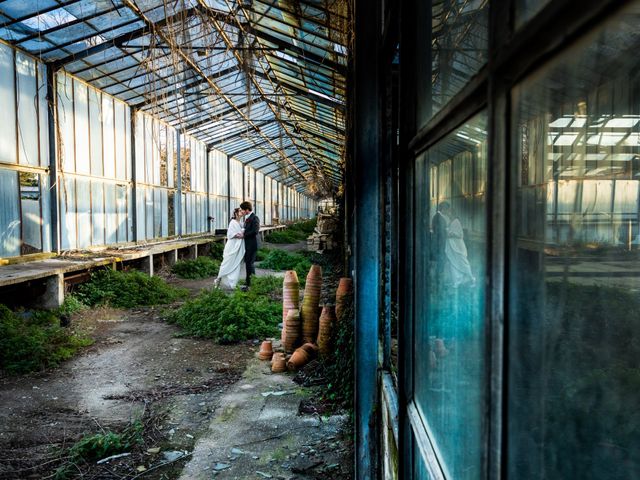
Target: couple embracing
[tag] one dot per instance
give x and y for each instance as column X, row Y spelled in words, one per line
column 242, row 244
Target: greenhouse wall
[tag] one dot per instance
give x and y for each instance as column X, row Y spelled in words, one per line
column 94, row 166
column 108, row 191
column 24, row 159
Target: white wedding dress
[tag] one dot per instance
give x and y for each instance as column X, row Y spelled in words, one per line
column 232, row 257
column 459, row 270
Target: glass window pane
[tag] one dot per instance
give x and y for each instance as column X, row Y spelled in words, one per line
column 526, row 9
column 27, row 110
column 574, row 331
column 450, row 53
column 81, row 132
column 9, row 214
column 108, row 137
column 30, row 194
column 8, row 149
column 120, row 139
column 95, row 131
column 64, row 95
column 450, row 232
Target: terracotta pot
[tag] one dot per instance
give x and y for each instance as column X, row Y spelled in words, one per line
column 266, row 350
column 299, row 359
column 276, row 355
column 312, row 292
column 291, row 330
column 290, row 297
column 310, row 348
column 327, row 320
column 345, row 288
column 278, row 364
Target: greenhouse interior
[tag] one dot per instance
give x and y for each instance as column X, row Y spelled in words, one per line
column 313, row 239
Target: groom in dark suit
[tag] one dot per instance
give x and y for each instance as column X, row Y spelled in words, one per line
column 439, row 224
column 251, row 229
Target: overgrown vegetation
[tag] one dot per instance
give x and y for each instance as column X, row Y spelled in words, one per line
column 216, row 250
column 201, row 267
column 340, row 366
column 228, row 318
column 293, row 233
column 33, row 340
column 591, row 347
column 262, row 253
column 127, row 289
column 268, row 286
column 97, row 446
column 284, row 236
column 280, row 260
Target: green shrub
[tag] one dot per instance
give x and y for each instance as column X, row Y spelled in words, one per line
column 268, row 286
column 127, row 289
column 98, row 446
column 217, row 250
column 340, row 365
column 228, row 318
column 283, row 236
column 304, row 226
column 262, row 253
column 104, row 444
column 72, row 304
column 35, row 341
column 280, row 260
column 201, row 267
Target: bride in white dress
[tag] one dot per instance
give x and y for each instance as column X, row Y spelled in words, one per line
column 459, row 269
column 233, row 254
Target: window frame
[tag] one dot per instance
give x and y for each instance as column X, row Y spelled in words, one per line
column 512, row 55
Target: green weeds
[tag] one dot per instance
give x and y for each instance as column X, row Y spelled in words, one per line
column 228, row 318
column 217, row 250
column 127, row 289
column 201, row 267
column 97, row 446
column 32, row 341
column 280, row 260
column 293, row 233
column 340, row 365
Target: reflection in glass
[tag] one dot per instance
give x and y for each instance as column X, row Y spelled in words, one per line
column 31, row 218
column 526, row 9
column 574, row 329
column 450, row 328
column 459, row 43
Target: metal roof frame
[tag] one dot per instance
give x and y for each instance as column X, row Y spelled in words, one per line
column 287, row 103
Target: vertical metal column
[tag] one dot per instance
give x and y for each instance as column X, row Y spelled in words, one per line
column 228, row 186
column 134, row 176
column 53, row 160
column 178, row 185
column 208, row 189
column 368, row 248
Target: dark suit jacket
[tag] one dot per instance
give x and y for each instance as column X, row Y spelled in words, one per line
column 251, row 229
column 439, row 237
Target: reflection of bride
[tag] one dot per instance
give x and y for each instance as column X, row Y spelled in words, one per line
column 233, row 254
column 458, row 267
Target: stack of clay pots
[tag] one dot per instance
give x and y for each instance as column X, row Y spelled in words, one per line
column 325, row 331
column 302, row 356
column 266, row 350
column 345, row 289
column 310, row 309
column 290, row 300
column 291, row 330
column 278, row 363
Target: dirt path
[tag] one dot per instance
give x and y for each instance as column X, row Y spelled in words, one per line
column 136, row 364
column 139, row 369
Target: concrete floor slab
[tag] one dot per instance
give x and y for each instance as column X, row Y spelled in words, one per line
column 258, row 433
